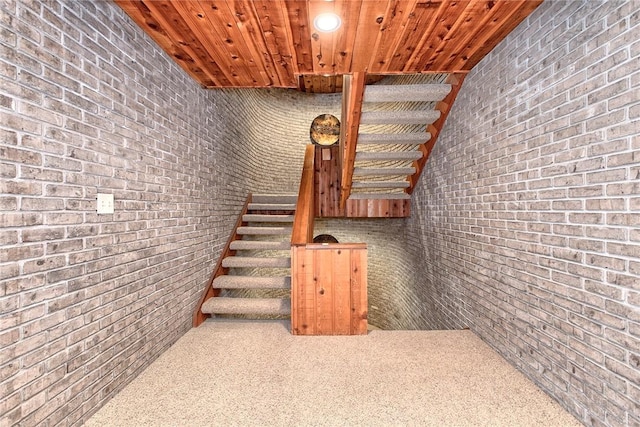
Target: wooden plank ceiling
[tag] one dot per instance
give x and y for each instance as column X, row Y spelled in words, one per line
column 272, row 43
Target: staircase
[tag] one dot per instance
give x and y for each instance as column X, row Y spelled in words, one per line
column 391, row 137
column 257, row 279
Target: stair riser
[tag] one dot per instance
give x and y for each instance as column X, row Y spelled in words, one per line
column 399, row 117
column 261, row 306
column 271, row 207
column 248, row 245
column 267, row 218
column 379, row 196
column 401, row 156
column 264, row 231
column 246, row 262
column 383, row 171
column 274, row 198
column 398, row 93
column 380, row 184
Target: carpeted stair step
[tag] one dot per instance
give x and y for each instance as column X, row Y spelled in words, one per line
column 274, row 198
column 256, row 262
column 259, row 245
column 380, row 184
column 273, row 306
column 416, row 92
column 383, row 171
column 394, row 138
column 389, row 156
column 267, row 218
column 378, row 196
column 271, row 207
column 251, row 282
column 265, row 231
column 399, row 117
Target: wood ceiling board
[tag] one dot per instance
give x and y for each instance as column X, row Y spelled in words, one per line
column 345, row 40
column 480, row 50
column 165, row 31
column 367, row 32
column 269, row 43
column 275, row 27
column 448, row 15
column 391, row 33
column 321, row 43
column 248, row 24
column 472, row 26
column 300, row 36
column 419, row 26
column 202, row 28
column 224, row 33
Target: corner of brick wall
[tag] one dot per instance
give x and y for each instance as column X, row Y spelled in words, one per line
column 528, row 212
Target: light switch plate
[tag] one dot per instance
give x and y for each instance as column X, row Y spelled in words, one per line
column 105, row 203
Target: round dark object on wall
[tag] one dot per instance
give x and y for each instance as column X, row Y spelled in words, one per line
column 325, row 238
column 325, row 130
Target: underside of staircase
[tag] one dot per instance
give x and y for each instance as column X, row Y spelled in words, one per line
column 255, row 274
column 390, row 131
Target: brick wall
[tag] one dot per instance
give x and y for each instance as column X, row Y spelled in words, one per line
column 528, row 211
column 89, row 104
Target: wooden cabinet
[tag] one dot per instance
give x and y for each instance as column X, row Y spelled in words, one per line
column 329, row 289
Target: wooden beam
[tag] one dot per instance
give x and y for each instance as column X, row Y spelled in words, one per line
column 351, row 122
column 209, row 292
column 455, row 80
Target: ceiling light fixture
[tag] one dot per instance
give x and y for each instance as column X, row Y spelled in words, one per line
column 327, row 22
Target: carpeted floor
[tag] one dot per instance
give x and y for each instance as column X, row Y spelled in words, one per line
column 243, row 373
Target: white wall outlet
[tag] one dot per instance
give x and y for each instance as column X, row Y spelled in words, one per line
column 105, row 203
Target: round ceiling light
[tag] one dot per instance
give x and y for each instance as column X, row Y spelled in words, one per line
column 327, row 22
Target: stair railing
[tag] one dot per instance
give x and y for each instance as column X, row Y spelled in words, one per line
column 303, row 220
column 209, row 292
column 353, row 92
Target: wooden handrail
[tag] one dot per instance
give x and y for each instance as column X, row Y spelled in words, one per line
column 444, row 106
column 353, row 89
column 198, row 316
column 302, row 231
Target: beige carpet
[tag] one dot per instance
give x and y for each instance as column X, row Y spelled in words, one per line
column 243, row 373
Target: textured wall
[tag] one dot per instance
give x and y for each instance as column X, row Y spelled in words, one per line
column 529, row 209
column 394, row 290
column 89, row 104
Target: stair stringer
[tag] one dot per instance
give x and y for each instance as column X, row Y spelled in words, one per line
column 210, row 292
